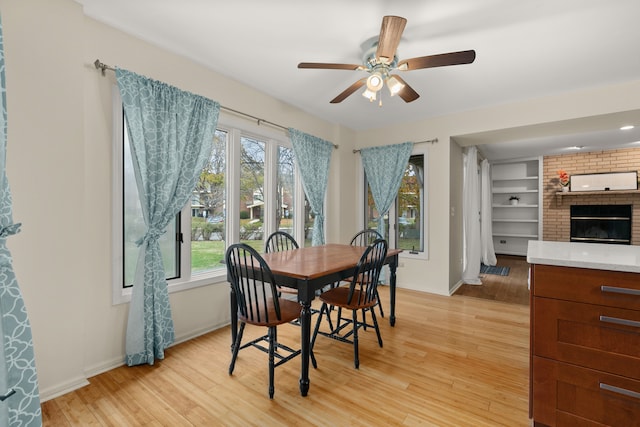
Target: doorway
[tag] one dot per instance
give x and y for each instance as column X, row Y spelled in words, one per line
column 512, row 288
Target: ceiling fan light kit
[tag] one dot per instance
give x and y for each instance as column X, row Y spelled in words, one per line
column 371, row 96
column 374, row 82
column 380, row 60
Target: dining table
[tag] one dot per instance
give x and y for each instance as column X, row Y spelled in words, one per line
column 309, row 269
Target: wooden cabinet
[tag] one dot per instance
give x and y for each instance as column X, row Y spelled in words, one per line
column 515, row 224
column 585, row 347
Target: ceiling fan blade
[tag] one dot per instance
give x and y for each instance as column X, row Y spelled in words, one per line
column 390, row 34
column 432, row 61
column 406, row 93
column 348, row 91
column 324, row 66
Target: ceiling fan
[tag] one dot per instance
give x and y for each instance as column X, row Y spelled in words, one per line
column 380, row 61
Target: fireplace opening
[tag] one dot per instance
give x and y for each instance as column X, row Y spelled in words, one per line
column 601, row 224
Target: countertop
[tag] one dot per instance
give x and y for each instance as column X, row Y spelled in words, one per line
column 599, row 256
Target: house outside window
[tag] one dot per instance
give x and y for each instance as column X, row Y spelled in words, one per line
column 406, row 221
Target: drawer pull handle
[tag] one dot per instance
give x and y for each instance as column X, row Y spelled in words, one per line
column 618, row 321
column 617, row 290
column 619, row 390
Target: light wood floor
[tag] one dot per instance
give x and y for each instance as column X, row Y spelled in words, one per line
column 512, row 288
column 449, row 361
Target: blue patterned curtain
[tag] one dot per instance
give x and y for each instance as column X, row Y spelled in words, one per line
column 384, row 167
column 171, row 132
column 19, row 395
column 313, row 156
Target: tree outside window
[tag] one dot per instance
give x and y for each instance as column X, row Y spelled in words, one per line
column 252, row 158
column 407, row 213
column 208, row 211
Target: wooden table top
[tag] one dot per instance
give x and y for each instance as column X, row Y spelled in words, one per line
column 316, row 261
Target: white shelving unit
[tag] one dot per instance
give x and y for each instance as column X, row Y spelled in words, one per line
column 514, row 225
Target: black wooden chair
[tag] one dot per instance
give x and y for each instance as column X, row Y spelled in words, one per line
column 361, row 294
column 283, row 241
column 365, row 238
column 280, row 241
column 259, row 304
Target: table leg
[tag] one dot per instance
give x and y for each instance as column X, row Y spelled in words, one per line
column 305, row 340
column 234, row 317
column 392, row 289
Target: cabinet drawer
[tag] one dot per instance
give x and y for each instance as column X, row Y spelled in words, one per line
column 568, row 395
column 597, row 337
column 602, row 287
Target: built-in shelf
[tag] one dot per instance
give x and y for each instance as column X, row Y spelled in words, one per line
column 528, row 236
column 513, row 191
column 596, row 193
column 516, row 178
column 514, row 225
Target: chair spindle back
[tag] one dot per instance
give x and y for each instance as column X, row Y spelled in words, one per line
column 365, row 237
column 253, row 284
column 365, row 279
column 280, row 241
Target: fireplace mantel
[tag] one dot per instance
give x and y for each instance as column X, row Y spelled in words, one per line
column 596, row 193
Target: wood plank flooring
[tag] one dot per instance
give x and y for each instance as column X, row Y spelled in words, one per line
column 512, row 288
column 449, row 361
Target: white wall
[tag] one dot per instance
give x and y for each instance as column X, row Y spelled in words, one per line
column 59, row 167
column 444, row 172
column 45, row 168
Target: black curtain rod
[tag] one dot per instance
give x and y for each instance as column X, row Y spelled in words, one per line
column 103, row 67
column 431, row 141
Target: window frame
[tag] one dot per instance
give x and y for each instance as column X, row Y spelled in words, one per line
column 418, row 149
column 236, row 127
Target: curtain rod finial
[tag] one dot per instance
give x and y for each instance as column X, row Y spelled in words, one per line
column 101, row 66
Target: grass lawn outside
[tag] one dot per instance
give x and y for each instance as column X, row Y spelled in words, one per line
column 207, row 255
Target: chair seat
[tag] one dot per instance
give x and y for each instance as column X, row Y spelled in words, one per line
column 289, row 311
column 338, row 297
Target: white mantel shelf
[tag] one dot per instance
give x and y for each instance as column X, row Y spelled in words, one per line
column 596, row 193
column 598, row 256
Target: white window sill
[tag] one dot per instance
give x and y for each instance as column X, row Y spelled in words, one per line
column 406, row 254
column 178, row 285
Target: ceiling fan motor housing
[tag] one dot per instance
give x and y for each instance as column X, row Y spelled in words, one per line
column 371, row 61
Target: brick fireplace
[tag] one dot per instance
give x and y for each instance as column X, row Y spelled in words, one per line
column 556, row 214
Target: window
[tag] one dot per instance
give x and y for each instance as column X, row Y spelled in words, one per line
column 252, row 191
column 405, row 224
column 208, row 213
column 410, row 204
column 285, row 190
column 134, row 227
column 247, row 189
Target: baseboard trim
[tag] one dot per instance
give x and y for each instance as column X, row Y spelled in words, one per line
column 77, row 383
column 68, row 387
column 455, row 287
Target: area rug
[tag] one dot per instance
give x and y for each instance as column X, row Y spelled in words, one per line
column 494, row 269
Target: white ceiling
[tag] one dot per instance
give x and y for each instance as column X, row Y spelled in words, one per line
column 524, row 49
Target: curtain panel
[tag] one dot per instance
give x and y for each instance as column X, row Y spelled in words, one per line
column 171, row 133
column 471, row 218
column 486, row 217
column 19, row 394
column 313, row 156
column 384, row 167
